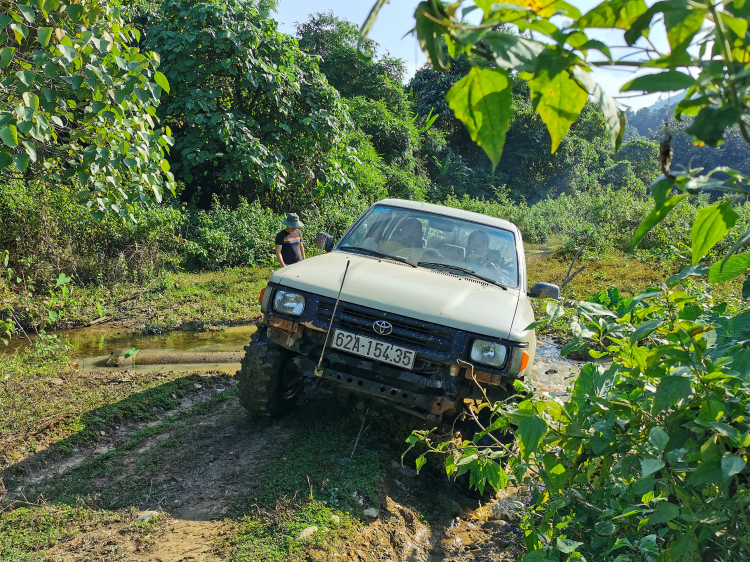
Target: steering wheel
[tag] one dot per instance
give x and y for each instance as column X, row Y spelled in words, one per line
column 502, row 272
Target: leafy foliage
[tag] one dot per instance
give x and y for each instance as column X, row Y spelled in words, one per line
column 406, row 143
column 224, row 236
column 250, row 112
column 79, row 103
column 649, row 452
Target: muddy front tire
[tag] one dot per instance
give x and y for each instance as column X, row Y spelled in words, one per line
column 269, row 380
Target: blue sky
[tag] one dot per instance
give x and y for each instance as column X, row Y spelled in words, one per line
column 397, row 18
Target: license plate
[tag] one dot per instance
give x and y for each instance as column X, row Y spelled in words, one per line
column 373, row 349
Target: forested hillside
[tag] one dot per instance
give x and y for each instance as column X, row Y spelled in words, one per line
column 655, row 122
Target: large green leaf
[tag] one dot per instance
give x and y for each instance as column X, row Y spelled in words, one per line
column 567, row 546
column 43, row 34
column 6, row 158
column 645, row 329
column 9, row 135
column 557, row 97
column 711, row 224
column 658, row 438
column 482, row 101
column 664, row 202
column 6, row 55
column 668, row 81
column 612, row 13
column 731, row 465
column 728, row 269
column 670, row 391
column 514, row 52
column 430, row 34
column 664, row 512
column 682, row 25
column 26, row 77
column 650, row 466
column 531, row 431
column 21, row 161
column 710, row 123
column 160, row 79
column 640, row 27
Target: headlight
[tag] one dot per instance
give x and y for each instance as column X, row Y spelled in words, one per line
column 489, row 353
column 289, row 303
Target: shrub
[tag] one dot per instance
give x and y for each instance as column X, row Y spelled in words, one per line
column 226, row 237
column 47, row 232
column 648, row 459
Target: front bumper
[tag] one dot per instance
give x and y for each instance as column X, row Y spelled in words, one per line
column 430, row 388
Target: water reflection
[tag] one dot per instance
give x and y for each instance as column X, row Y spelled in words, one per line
column 553, row 373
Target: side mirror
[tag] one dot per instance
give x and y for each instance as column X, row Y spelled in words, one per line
column 545, row 291
column 324, row 241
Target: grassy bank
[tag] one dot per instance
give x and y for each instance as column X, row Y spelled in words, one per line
column 190, row 301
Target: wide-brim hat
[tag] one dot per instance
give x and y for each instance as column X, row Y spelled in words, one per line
column 292, row 221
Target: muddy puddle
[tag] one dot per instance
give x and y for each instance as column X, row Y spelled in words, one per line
column 94, row 347
column 552, row 373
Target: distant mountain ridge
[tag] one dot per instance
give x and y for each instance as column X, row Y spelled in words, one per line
column 670, row 100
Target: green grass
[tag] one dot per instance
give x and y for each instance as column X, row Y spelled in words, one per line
column 271, row 535
column 27, row 532
column 79, row 482
column 44, row 400
column 172, row 301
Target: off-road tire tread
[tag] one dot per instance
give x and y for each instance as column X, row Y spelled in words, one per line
column 259, row 375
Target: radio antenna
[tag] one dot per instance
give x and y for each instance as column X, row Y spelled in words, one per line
column 318, row 370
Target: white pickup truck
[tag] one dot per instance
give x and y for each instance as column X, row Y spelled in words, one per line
column 414, row 304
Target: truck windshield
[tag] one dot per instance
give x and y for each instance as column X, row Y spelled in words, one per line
column 437, row 242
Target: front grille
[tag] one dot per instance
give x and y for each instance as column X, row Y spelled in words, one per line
column 405, row 330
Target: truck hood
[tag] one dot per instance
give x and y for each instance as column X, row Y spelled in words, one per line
column 424, row 294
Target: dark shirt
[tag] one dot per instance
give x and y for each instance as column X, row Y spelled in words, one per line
column 290, row 246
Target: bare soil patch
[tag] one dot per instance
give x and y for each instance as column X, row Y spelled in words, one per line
column 204, row 464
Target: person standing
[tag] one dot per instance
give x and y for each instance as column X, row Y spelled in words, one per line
column 289, row 247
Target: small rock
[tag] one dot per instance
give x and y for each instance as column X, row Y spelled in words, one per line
column 408, row 472
column 395, row 464
column 400, row 484
column 146, row 516
column 198, row 385
column 102, row 433
column 307, row 533
column 551, row 372
column 57, row 381
column 494, row 526
column 371, row 512
column 335, row 519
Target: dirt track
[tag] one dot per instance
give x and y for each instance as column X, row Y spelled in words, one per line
column 204, row 465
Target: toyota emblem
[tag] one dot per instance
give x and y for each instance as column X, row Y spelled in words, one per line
column 382, row 327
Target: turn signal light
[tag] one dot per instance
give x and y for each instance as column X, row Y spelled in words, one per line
column 263, row 292
column 524, row 360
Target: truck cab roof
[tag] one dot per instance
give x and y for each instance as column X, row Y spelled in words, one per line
column 451, row 212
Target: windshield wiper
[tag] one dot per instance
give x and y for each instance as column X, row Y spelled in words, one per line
column 380, row 254
column 464, row 270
